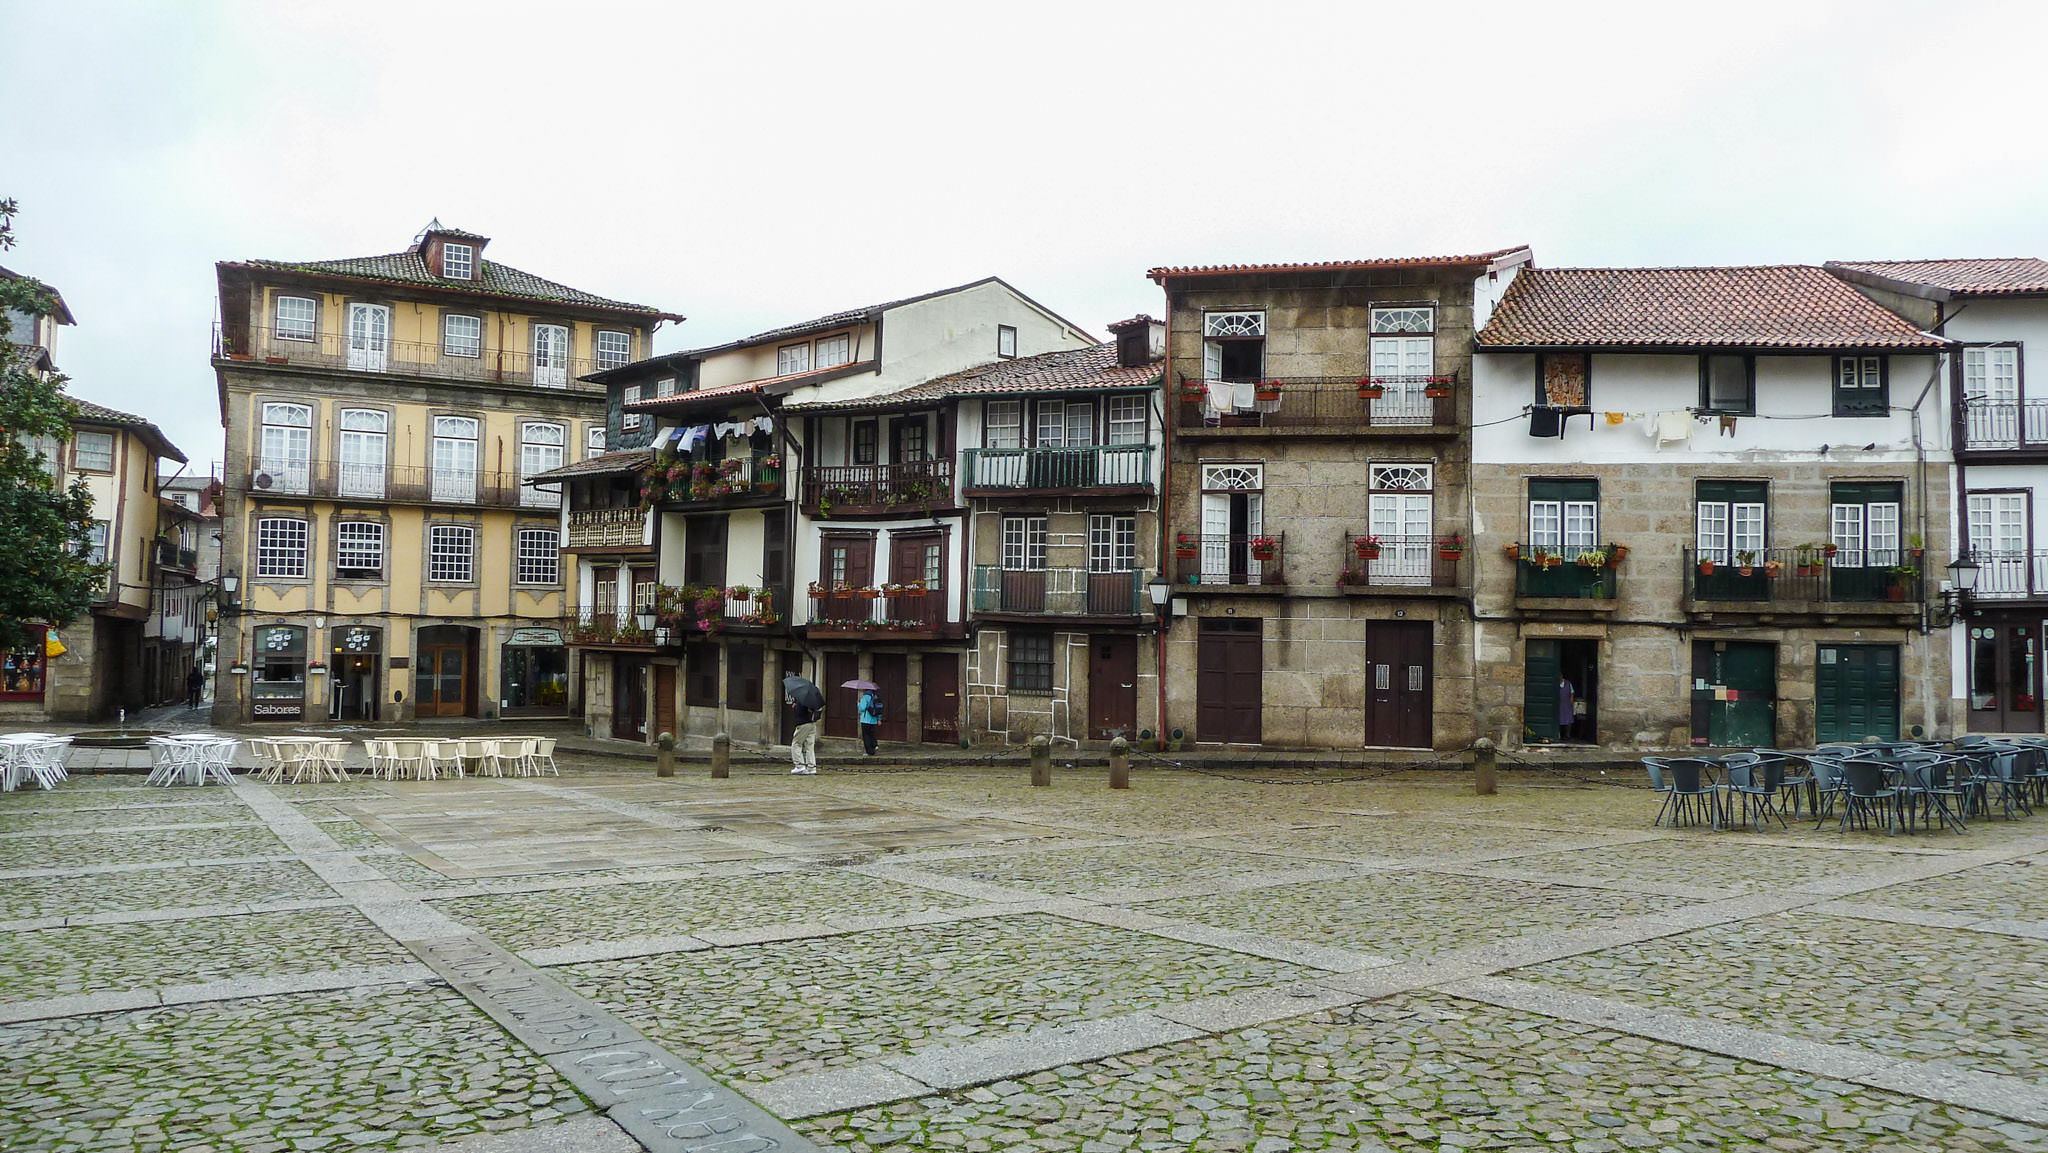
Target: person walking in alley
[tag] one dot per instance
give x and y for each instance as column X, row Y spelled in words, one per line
column 195, row 686
column 803, row 744
column 870, row 719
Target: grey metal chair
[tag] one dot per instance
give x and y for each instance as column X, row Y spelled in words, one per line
column 1866, row 796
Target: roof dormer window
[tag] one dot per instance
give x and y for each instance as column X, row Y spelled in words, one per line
column 457, row 261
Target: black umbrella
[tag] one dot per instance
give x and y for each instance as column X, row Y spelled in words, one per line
column 802, row 692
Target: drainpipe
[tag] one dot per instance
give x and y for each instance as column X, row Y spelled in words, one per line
column 1165, row 515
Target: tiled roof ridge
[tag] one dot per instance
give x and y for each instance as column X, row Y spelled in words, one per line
column 1940, row 260
column 1323, row 265
column 365, row 268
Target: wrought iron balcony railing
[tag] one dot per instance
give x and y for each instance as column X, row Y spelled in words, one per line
column 1803, row 574
column 2010, row 575
column 1397, row 562
column 857, row 489
column 2004, row 424
column 1230, row 560
column 1566, row 573
column 338, row 350
column 1059, row 591
column 1102, row 466
column 400, row 484
column 876, row 609
column 699, row 482
column 1337, row 402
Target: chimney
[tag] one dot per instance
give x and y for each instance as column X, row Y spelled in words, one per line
column 1140, row 340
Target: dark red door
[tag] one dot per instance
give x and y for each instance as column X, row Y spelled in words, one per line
column 1229, row 680
column 940, row 681
column 848, row 563
column 1399, row 697
column 892, row 673
column 842, row 719
column 1112, row 687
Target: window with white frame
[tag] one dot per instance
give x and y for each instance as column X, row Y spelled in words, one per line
column 281, row 548
column 362, row 451
column 286, row 446
column 550, row 356
column 539, row 557
column 793, row 358
column 462, row 335
column 297, row 318
column 614, row 348
column 1003, row 424
column 1112, row 543
column 1006, row 340
column 358, row 550
column 666, row 386
column 451, row 553
column 540, row 450
column 1024, row 543
column 96, row 538
column 1862, row 386
column 1066, row 424
column 1403, row 346
column 1564, row 515
column 1234, row 346
column 93, row 451
column 1400, row 511
column 593, row 441
column 1864, row 523
column 1998, row 542
column 1730, row 519
column 628, row 397
column 833, row 351
column 1992, row 373
column 1127, row 420
column 455, row 458
column 458, row 261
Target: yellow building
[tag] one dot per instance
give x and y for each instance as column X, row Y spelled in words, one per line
column 381, row 558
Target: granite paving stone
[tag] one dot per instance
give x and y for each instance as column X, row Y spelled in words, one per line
column 86, row 958
column 1420, row 1073
column 140, row 890
column 105, row 816
column 802, row 1006
column 1740, row 863
column 1081, row 870
column 568, row 916
column 1409, row 914
column 2016, row 889
column 156, row 845
column 1946, row 997
column 380, row 1069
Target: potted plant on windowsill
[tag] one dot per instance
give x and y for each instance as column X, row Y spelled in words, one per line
column 1745, row 562
column 1896, row 590
column 1707, row 567
column 1185, row 546
column 1266, row 390
column 1367, row 547
column 1451, row 547
column 1262, row 547
column 1437, row 388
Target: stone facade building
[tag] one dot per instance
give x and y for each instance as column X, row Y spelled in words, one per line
column 1706, row 501
column 1319, row 500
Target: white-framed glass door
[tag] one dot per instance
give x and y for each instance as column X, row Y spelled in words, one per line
column 455, row 459
column 362, row 452
column 550, row 356
column 369, row 337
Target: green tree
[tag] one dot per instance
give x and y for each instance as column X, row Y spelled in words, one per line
column 45, row 531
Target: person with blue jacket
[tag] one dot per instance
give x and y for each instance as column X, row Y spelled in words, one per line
column 870, row 719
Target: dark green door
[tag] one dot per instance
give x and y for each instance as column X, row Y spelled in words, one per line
column 1539, row 692
column 1856, row 693
column 1735, row 694
column 1864, row 528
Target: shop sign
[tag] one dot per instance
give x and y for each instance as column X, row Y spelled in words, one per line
column 535, row 637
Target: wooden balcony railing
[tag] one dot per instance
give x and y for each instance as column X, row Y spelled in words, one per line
column 878, row 489
column 864, row 610
column 1397, row 562
column 591, row 528
column 338, row 350
column 1059, row 592
column 1125, row 467
column 1419, row 403
column 1802, row 575
column 1240, row 560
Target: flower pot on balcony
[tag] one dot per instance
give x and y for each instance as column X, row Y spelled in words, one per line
column 1706, row 568
column 1263, row 552
column 1266, row 395
column 1747, row 570
column 1513, row 550
column 1450, row 553
column 1895, row 593
column 1828, row 550
column 1370, row 392
column 870, row 594
column 1366, row 551
column 1193, row 394
column 1437, row 392
column 1185, row 552
column 1772, row 569
column 277, row 360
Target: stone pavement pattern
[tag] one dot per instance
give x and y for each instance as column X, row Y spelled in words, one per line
column 948, row 959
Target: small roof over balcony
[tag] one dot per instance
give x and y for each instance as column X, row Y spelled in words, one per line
column 619, row 463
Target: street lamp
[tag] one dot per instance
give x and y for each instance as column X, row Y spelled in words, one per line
column 1962, row 574
column 644, row 617
column 1159, row 591
column 230, row 583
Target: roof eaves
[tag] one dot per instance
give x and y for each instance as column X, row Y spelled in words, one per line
column 1471, row 260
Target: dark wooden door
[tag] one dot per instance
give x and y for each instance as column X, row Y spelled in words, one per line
column 847, row 561
column 1112, row 687
column 842, row 717
column 665, row 700
column 940, row 682
column 892, row 673
column 2005, row 677
column 1399, row 684
column 792, row 666
column 1734, row 694
column 443, row 680
column 1229, row 680
column 629, row 699
column 1856, row 693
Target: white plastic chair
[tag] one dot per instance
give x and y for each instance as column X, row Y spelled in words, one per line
column 519, row 750
column 484, row 754
column 334, row 759
column 544, row 756
column 443, row 758
column 406, row 757
column 374, row 756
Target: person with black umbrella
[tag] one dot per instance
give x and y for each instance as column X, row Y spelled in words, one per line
column 809, row 703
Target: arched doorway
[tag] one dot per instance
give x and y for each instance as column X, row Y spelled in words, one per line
column 445, row 672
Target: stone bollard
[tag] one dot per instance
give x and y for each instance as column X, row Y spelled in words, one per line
column 1119, row 764
column 1041, row 762
column 665, row 755
column 1482, row 766
column 721, row 757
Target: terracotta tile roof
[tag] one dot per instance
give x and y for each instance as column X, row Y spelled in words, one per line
column 1071, row 370
column 90, row 413
column 1775, row 306
column 2007, row 276
column 609, row 464
column 493, row 279
column 1477, row 258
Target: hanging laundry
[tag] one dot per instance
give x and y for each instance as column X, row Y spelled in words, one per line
column 1615, row 418
column 1244, row 397
column 1546, row 421
column 1674, row 427
column 692, row 437
column 1219, row 395
column 1727, row 425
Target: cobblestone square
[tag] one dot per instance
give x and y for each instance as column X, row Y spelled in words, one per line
column 947, row 958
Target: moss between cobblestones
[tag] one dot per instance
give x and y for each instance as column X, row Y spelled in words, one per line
column 1409, row 914
column 349, row 1070
column 799, row 1006
column 1420, row 1073
column 158, row 889
column 1082, row 870
column 81, row 818
column 134, row 848
column 1953, row 998
column 98, row 958
column 2010, row 889
column 1735, row 863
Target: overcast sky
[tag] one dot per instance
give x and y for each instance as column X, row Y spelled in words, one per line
column 750, row 168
